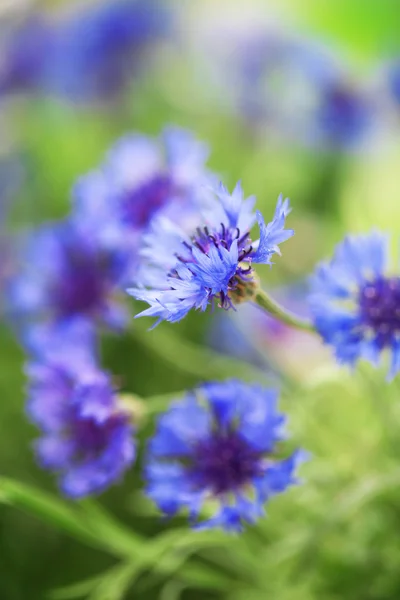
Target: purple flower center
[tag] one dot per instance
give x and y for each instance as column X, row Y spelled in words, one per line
column 343, row 115
column 140, row 205
column 91, row 437
column 224, row 462
column 82, row 284
column 224, row 237
column 379, row 303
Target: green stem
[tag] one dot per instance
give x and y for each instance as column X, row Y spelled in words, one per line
column 264, row 301
column 192, row 359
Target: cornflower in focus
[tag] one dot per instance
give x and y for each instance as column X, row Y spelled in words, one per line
column 66, row 275
column 142, row 177
column 87, row 437
column 356, row 304
column 219, row 444
column 214, row 263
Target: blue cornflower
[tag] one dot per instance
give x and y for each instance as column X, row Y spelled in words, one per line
column 142, row 177
column 186, row 272
column 101, row 48
column 90, row 55
column 87, row 437
column 394, row 81
column 219, row 444
column 65, row 275
column 344, row 115
column 25, row 56
column 290, row 86
column 356, row 304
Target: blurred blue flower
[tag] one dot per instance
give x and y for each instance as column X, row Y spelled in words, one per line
column 214, row 263
column 91, row 54
column 344, row 115
column 87, row 438
column 355, row 304
column 64, row 275
column 102, row 47
column 77, row 337
column 219, row 444
column 394, row 81
column 289, row 86
column 142, row 177
column 25, row 55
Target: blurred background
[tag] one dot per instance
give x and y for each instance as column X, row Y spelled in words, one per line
column 299, row 97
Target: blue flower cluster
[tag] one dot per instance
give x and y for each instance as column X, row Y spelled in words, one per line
column 92, row 54
column 293, row 87
column 79, row 267
column 219, row 443
column 71, row 280
column 152, row 215
column 187, row 271
column 142, row 178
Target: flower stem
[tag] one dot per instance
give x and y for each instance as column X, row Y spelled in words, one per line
column 264, row 301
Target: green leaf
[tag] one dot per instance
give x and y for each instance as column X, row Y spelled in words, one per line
column 76, row 590
column 48, row 509
column 114, row 535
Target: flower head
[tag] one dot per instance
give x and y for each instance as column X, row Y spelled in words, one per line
column 66, row 275
column 100, row 48
column 286, row 85
column 219, row 443
column 394, row 81
column 141, row 178
column 91, row 55
column 185, row 272
column 87, row 438
column 25, row 56
column 344, row 115
column 356, row 304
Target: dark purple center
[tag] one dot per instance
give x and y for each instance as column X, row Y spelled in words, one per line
column 82, row 284
column 343, row 115
column 379, row 303
column 224, row 237
column 91, row 437
column 224, row 462
column 140, row 204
